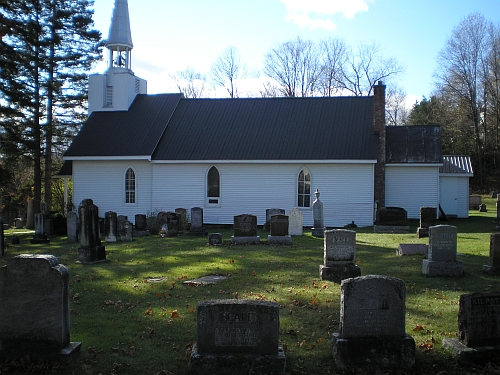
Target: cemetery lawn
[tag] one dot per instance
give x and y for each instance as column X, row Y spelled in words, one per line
column 136, row 315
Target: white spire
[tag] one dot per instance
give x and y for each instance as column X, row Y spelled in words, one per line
column 119, row 41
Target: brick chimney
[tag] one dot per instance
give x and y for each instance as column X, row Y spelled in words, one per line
column 379, row 129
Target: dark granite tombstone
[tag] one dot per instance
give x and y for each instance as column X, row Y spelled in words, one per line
column 372, row 325
column 493, row 266
column 140, row 222
column 172, row 224
column 215, row 239
column 428, row 218
column 318, row 229
column 183, row 222
column 90, row 251
column 478, row 328
column 270, row 212
column 391, row 220
column 245, row 229
column 34, row 313
column 39, row 237
column 442, row 252
column 237, row 337
column 72, row 226
column 197, row 227
column 339, row 256
column 279, row 230
column 110, row 226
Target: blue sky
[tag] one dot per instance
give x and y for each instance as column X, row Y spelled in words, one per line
column 170, row 35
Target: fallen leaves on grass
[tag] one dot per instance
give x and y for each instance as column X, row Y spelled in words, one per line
column 428, row 345
column 418, row 328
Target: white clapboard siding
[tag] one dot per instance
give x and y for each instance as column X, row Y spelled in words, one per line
column 454, row 195
column 104, row 183
column 412, row 187
column 346, row 190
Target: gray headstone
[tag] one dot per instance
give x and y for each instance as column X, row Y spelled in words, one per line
column 269, row 213
column 34, row 290
column 182, row 212
column 120, row 220
column 196, row 218
column 127, row 231
column 140, row 222
column 479, row 319
column 30, row 217
column 245, row 225
column 392, row 216
column 72, row 226
column 372, row 306
column 215, row 239
column 39, row 223
column 90, row 250
column 162, row 218
column 318, row 229
column 295, row 222
column 339, row 247
column 172, row 224
column 442, row 243
column 428, row 216
column 279, row 225
column 110, row 226
column 237, row 326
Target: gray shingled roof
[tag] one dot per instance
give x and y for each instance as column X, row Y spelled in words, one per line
column 339, row 128
column 413, row 144
column 135, row 132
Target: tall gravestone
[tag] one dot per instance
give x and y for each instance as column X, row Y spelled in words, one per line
column 493, row 266
column 110, row 226
column 279, row 230
column 197, row 226
column 30, row 217
column 245, row 230
column 183, row 220
column 34, row 313
column 270, row 212
column 339, row 256
column 478, row 328
column 318, row 229
column 120, row 220
column 442, row 252
column 237, row 337
column 39, row 237
column 72, row 226
column 428, row 219
column 295, row 222
column 90, row 251
column 140, row 222
column 172, row 224
column 372, row 325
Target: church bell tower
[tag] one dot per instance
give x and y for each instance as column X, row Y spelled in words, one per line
column 115, row 90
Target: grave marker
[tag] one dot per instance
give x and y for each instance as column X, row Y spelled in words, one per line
column 372, row 325
column 90, row 251
column 279, row 230
column 215, row 239
column 493, row 266
column 182, row 218
column 72, row 226
column 427, row 219
column 110, row 226
column 39, row 237
column 295, row 222
column 318, row 229
column 391, row 220
column 339, row 256
column 238, row 337
column 442, row 252
column 245, row 230
column 128, row 229
column 270, row 212
column 197, row 227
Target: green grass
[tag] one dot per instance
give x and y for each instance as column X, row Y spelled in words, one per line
column 131, row 326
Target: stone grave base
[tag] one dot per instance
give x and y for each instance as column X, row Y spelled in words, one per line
column 41, row 352
column 39, row 239
column 384, row 352
column 280, row 240
column 391, row 229
column 236, row 364
column 92, row 255
column 451, row 268
column 339, row 272
column 422, row 232
column 490, row 270
column 245, row 240
column 466, row 354
column 411, row 249
column 318, row 232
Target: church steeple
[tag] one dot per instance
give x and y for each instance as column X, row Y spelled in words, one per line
column 116, row 89
column 119, row 41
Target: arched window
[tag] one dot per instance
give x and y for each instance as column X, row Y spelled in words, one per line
column 130, row 186
column 213, row 186
column 304, row 189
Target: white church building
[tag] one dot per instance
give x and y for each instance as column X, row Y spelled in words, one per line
column 139, row 153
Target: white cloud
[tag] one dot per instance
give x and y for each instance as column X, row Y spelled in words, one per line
column 300, row 11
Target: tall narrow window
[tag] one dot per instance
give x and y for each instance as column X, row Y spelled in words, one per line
column 130, row 186
column 213, row 186
column 304, row 189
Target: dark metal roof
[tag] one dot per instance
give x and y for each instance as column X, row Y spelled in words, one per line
column 456, row 164
column 66, row 169
column 413, row 144
column 135, row 132
column 339, row 128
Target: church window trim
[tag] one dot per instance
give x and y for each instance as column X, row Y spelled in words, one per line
column 213, row 185
column 130, row 185
column 304, row 188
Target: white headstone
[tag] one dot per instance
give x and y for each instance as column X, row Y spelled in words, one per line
column 295, row 222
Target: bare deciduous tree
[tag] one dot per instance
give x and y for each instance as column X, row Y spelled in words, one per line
column 396, row 110
column 333, row 58
column 227, row 69
column 191, row 83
